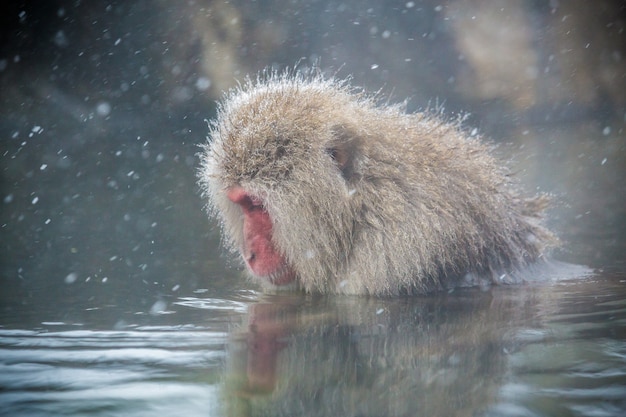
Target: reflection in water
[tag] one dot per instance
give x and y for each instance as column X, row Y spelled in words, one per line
column 435, row 356
column 530, row 350
column 505, row 351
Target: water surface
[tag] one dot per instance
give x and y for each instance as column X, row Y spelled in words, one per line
column 531, row 350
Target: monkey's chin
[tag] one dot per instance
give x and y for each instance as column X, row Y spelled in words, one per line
column 283, row 275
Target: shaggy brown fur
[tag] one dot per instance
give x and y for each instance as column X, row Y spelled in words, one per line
column 364, row 198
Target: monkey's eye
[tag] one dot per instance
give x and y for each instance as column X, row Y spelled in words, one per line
column 256, row 203
column 251, row 203
column 248, row 202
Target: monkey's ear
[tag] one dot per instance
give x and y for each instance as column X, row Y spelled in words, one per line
column 343, row 150
column 339, row 155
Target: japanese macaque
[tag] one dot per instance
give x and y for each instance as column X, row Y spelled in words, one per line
column 320, row 187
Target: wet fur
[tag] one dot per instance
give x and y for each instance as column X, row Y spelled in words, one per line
column 366, row 199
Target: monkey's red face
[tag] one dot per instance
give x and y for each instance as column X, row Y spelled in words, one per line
column 259, row 252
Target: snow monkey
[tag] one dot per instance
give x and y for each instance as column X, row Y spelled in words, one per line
column 318, row 186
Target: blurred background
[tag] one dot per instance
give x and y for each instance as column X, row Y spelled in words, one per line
column 103, row 105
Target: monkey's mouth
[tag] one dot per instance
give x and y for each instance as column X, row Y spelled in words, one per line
column 282, row 276
column 269, row 266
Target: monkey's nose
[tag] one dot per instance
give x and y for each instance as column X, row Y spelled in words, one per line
column 251, row 258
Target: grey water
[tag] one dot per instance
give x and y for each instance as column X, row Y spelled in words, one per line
column 544, row 349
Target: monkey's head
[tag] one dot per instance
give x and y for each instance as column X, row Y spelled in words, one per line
column 282, row 171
